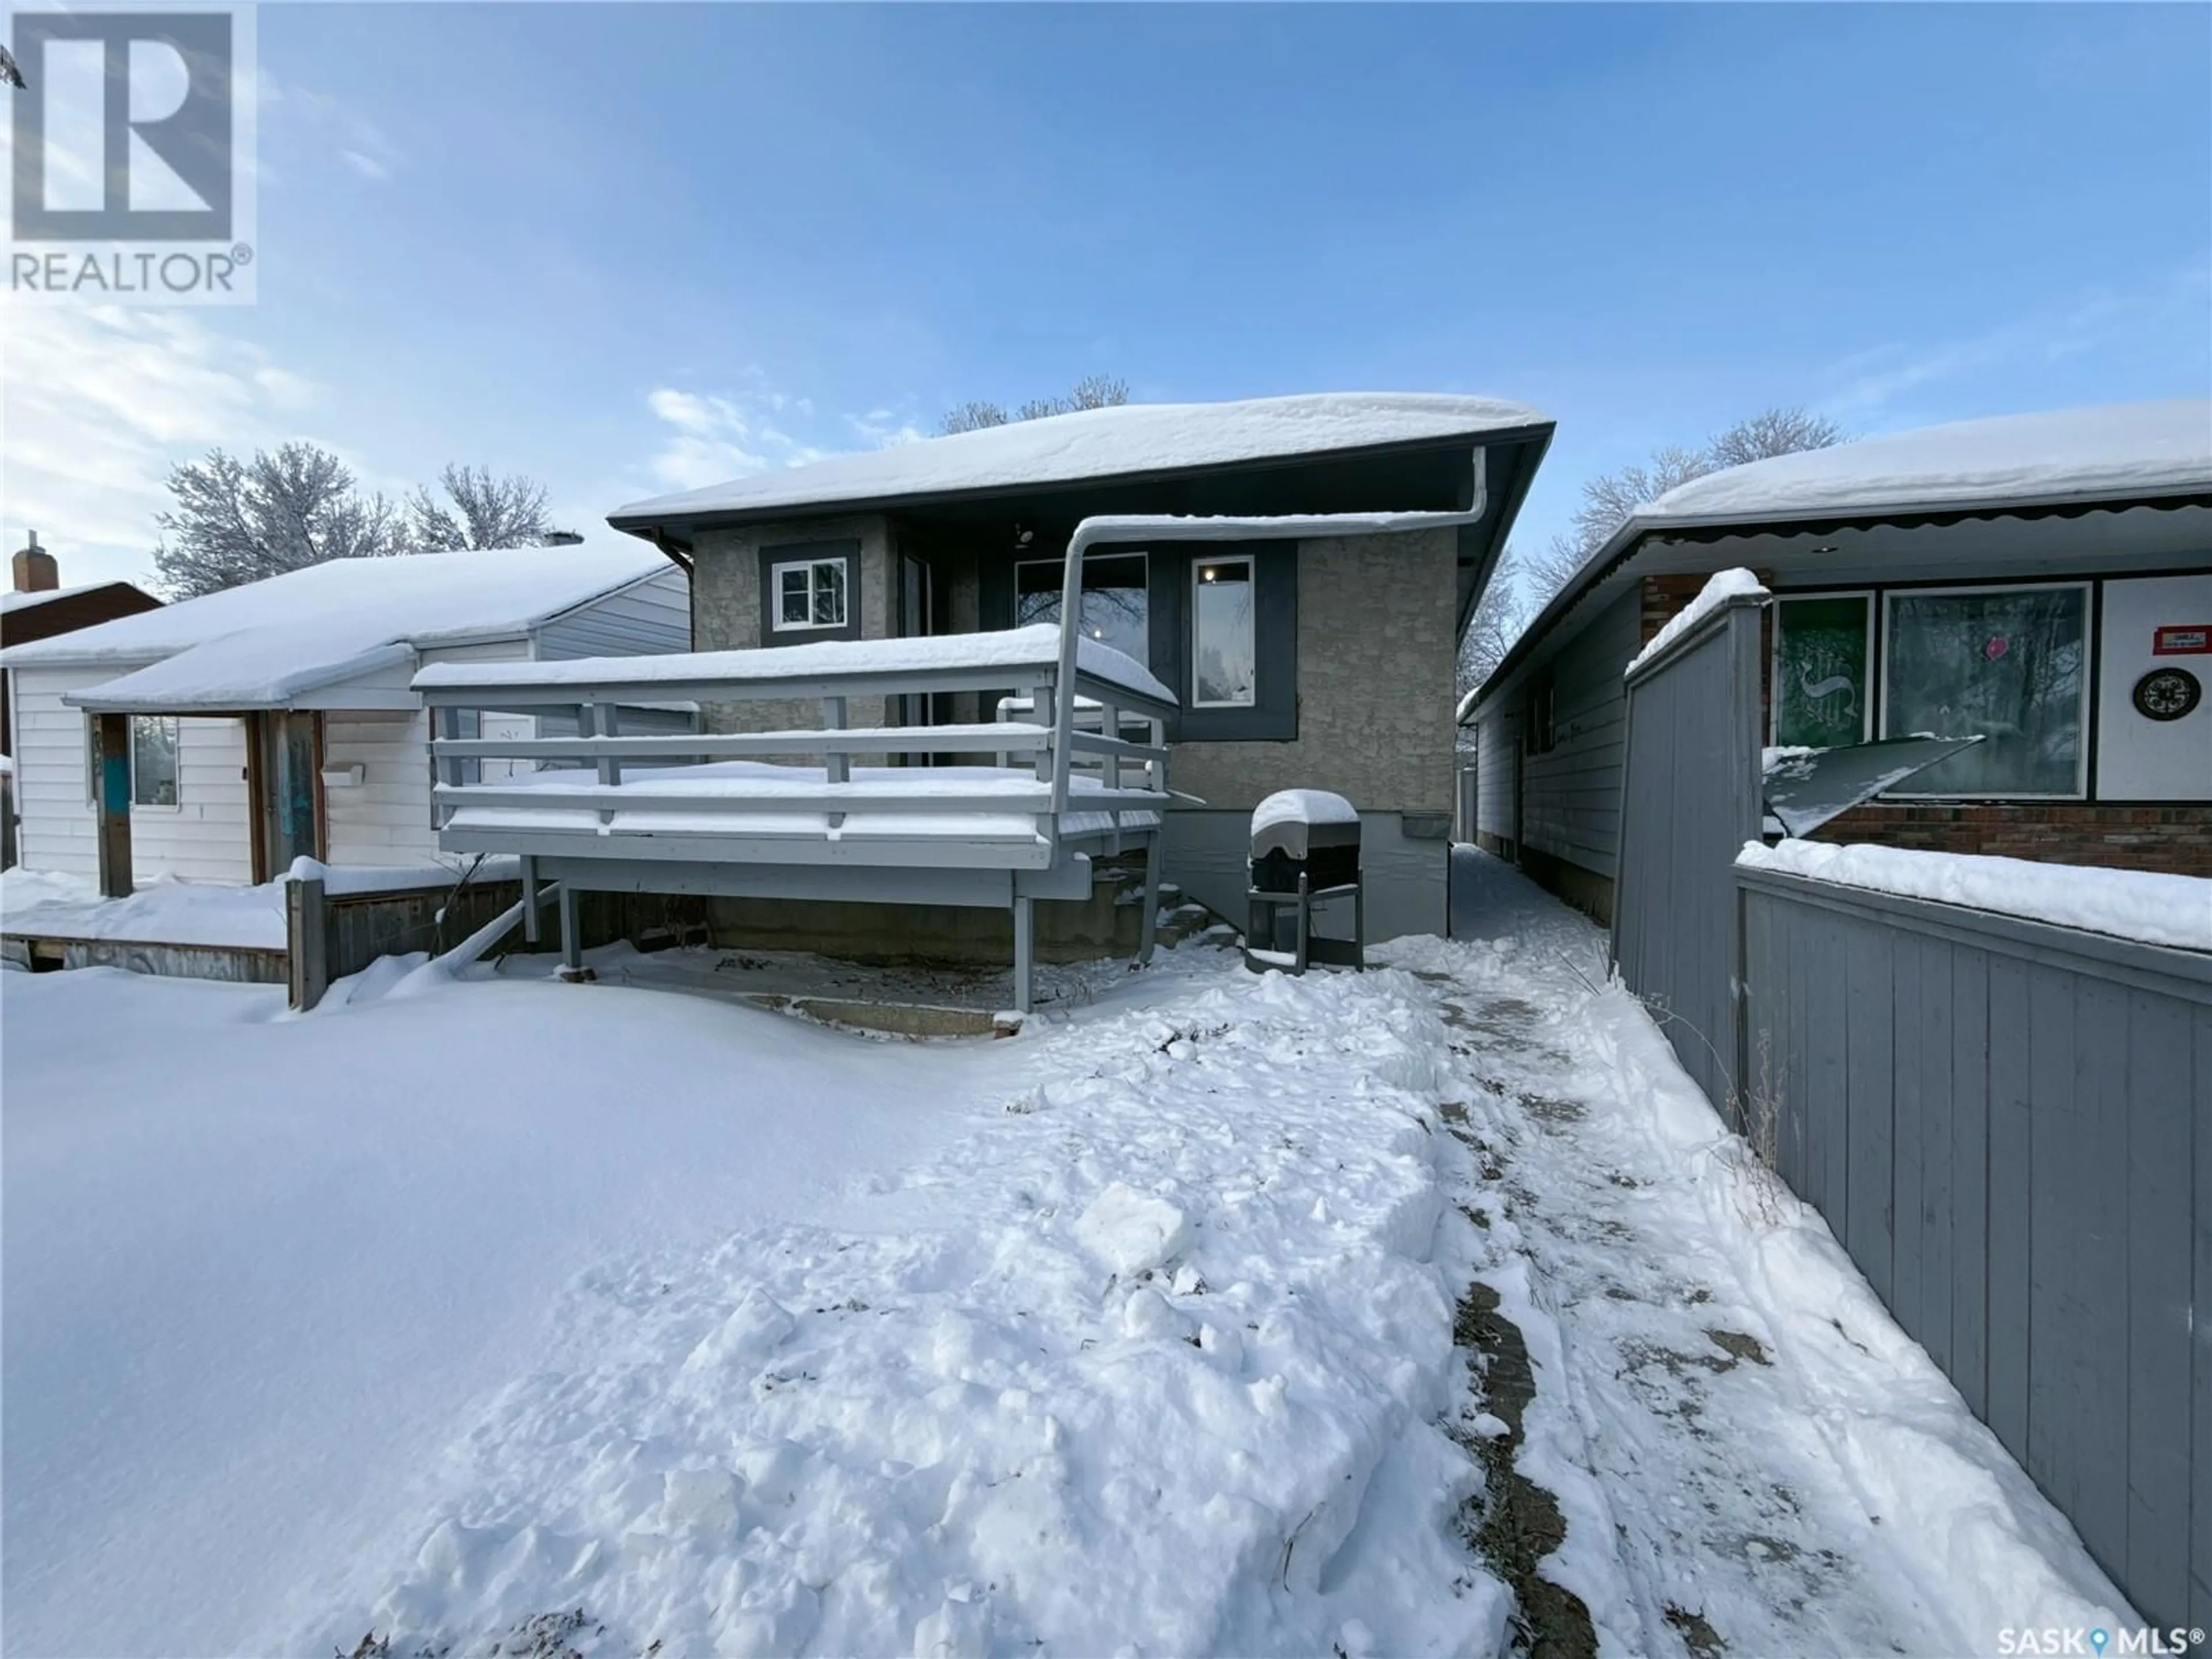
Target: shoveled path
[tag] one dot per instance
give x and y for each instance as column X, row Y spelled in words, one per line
column 1748, row 1456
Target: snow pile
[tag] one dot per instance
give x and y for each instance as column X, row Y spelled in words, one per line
column 1145, row 1361
column 258, row 646
column 2129, row 449
column 2150, row 907
column 1036, row 645
column 1303, row 806
column 165, row 911
column 1130, row 439
column 1725, row 585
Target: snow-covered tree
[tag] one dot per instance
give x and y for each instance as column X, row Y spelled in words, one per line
column 1608, row 498
column 1091, row 392
column 239, row 521
column 478, row 510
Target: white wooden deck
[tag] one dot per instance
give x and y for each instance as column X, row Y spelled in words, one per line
column 830, row 812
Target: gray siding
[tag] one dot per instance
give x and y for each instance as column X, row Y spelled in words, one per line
column 1691, row 800
column 2009, row 1126
column 647, row 618
column 1498, row 741
column 1571, row 796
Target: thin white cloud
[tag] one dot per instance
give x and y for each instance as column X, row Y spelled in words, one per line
column 101, row 402
column 368, row 166
column 712, row 437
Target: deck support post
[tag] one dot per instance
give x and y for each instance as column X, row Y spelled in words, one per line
column 114, row 735
column 572, row 938
column 1025, row 952
column 837, row 764
column 1148, row 925
column 530, row 930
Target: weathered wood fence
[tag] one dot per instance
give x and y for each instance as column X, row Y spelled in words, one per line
column 2008, row 1125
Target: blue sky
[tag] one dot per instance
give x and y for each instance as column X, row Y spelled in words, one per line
column 630, row 248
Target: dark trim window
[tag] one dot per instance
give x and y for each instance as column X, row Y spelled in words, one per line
column 810, row 593
column 1542, row 735
column 1822, row 670
column 1116, row 599
column 2008, row 664
column 1225, row 649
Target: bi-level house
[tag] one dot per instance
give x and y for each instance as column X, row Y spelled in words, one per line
column 1289, row 659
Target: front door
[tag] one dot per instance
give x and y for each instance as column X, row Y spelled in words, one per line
column 287, row 756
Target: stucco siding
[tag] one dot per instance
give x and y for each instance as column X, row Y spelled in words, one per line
column 726, row 609
column 1376, row 650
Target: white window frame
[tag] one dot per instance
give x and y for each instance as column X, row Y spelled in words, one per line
column 1252, row 585
column 92, row 764
column 777, row 624
column 2080, row 790
column 1875, row 670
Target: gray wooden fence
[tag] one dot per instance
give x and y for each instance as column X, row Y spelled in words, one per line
column 1689, row 801
column 2009, row 1126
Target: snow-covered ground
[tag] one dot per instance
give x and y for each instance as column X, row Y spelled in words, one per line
column 168, row 911
column 463, row 1302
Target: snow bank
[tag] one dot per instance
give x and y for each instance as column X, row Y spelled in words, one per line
column 260, row 645
column 1034, row 647
column 1143, row 1359
column 1303, row 806
column 1100, row 443
column 2135, row 448
column 167, row 911
column 2143, row 905
column 1725, row 585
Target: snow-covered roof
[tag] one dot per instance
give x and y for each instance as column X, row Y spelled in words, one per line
column 261, row 645
column 1133, row 439
column 2122, row 450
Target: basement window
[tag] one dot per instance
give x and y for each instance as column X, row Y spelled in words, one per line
column 810, row 594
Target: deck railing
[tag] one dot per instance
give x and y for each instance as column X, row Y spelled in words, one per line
column 1049, row 764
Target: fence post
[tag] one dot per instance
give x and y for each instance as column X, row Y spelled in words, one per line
column 306, row 940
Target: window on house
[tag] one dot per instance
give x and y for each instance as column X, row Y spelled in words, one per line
column 1224, row 654
column 1116, row 607
column 2008, row 664
column 153, row 760
column 1822, row 695
column 810, row 594
column 1542, row 734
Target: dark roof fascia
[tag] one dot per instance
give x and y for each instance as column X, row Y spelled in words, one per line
column 681, row 528
column 1629, row 539
column 1499, row 525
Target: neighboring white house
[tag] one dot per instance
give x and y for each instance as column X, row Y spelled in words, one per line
column 274, row 719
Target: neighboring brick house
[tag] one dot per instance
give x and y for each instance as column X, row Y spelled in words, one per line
column 2042, row 581
column 36, row 607
column 1323, row 661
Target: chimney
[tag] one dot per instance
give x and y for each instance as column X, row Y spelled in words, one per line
column 34, row 569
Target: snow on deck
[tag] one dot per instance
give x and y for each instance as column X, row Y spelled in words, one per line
column 258, row 646
column 2146, row 906
column 1732, row 1423
column 1132, row 438
column 1034, row 647
column 2127, row 449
